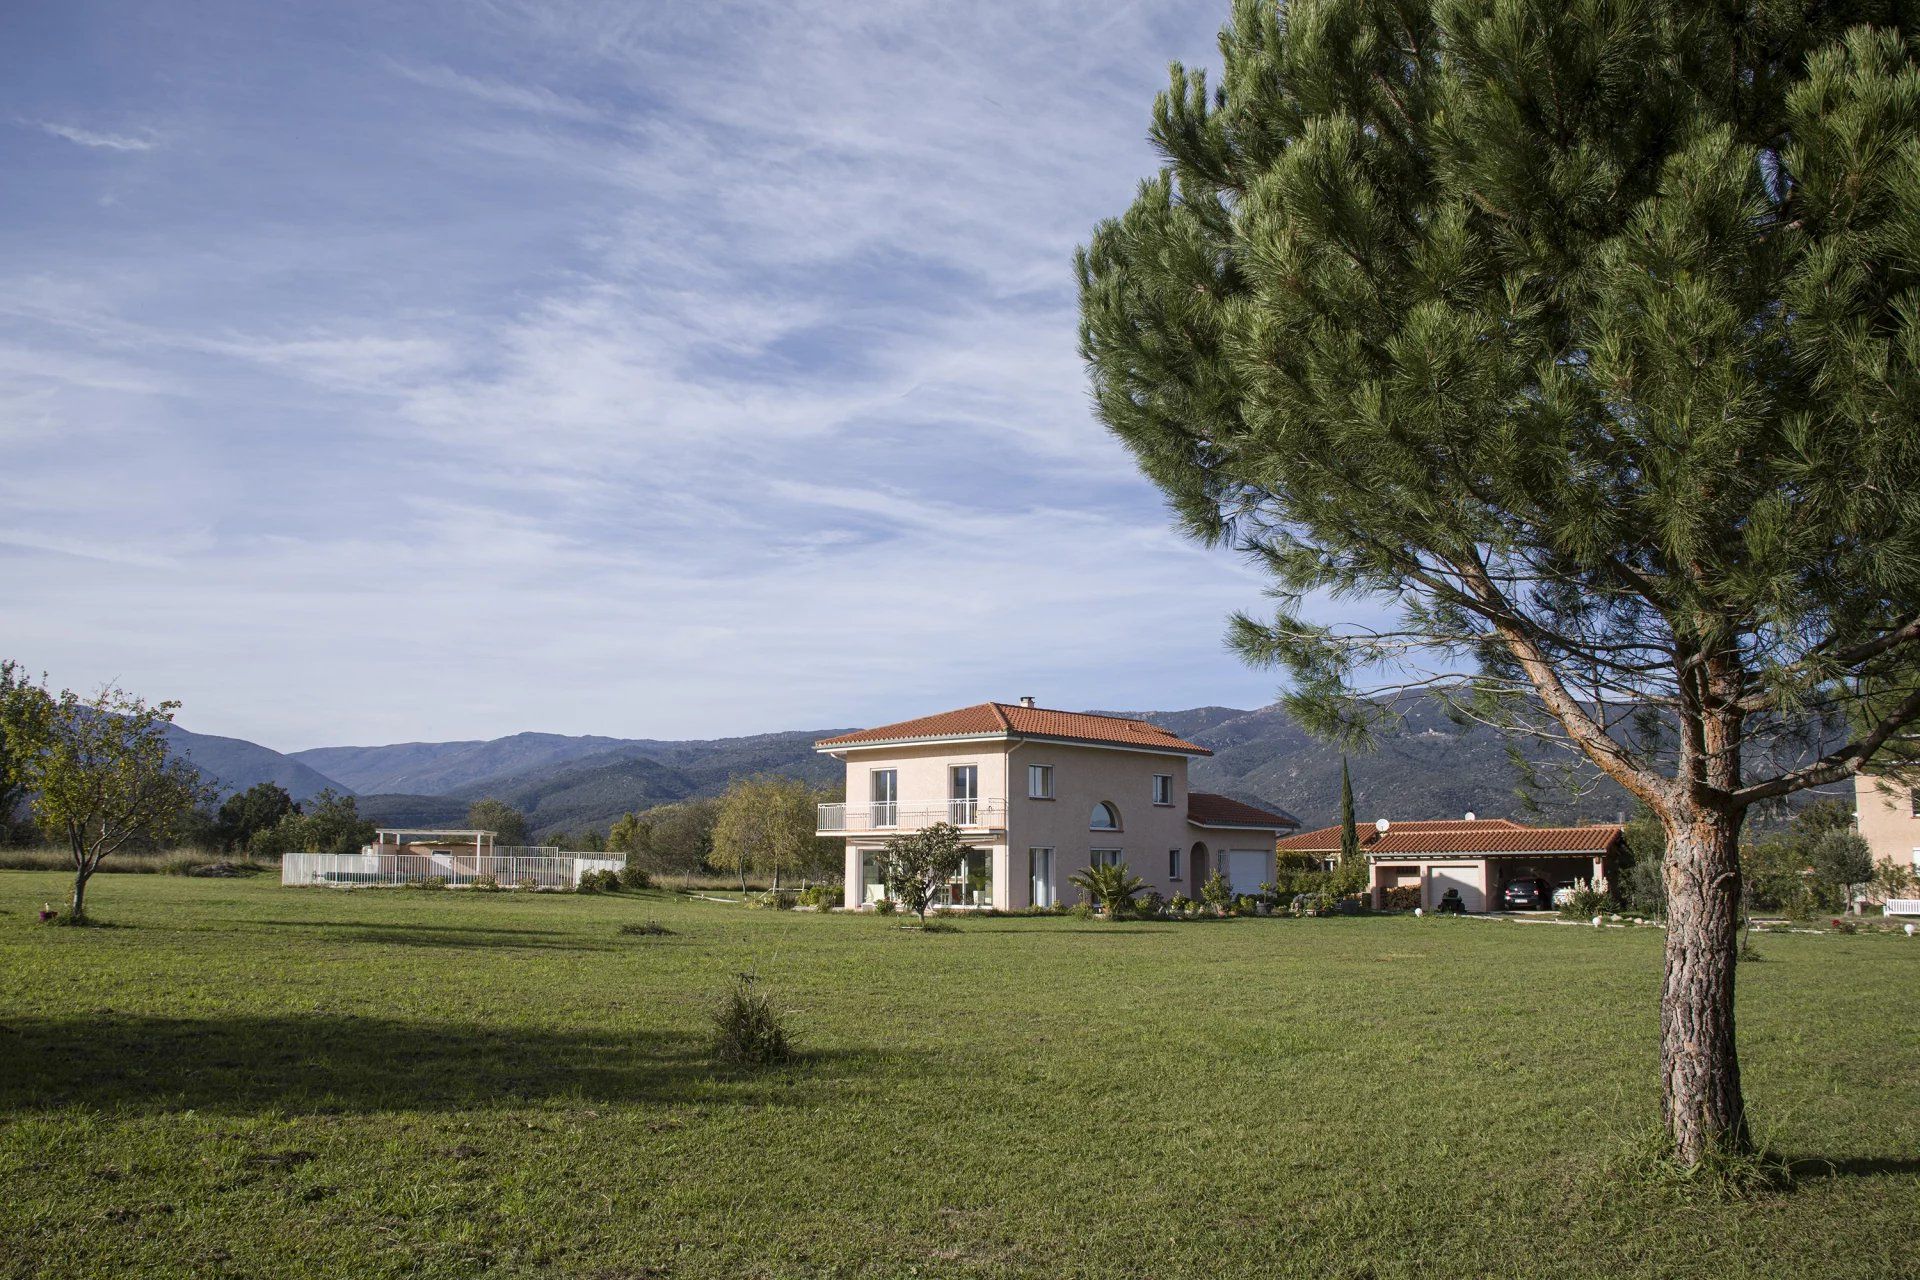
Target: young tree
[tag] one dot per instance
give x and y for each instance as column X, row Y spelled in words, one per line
column 246, row 814
column 508, row 824
column 12, row 792
column 1576, row 336
column 98, row 770
column 918, row 865
column 668, row 837
column 766, row 824
column 1842, row 862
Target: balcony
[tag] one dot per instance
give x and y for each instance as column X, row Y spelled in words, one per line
column 890, row 816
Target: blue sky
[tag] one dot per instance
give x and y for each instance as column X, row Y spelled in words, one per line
column 380, row 372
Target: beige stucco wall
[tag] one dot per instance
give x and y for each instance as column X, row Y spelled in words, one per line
column 1082, row 777
column 1885, row 816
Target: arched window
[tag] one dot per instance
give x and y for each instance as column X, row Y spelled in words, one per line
column 1104, row 818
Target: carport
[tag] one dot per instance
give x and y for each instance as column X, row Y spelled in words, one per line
column 1438, row 860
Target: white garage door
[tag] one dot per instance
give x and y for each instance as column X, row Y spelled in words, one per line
column 1247, row 869
column 1464, row 878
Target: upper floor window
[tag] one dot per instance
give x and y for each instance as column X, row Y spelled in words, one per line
column 1040, row 782
column 1104, row 818
column 886, row 796
column 1163, row 788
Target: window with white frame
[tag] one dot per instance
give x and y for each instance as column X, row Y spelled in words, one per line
column 1163, row 788
column 1173, row 864
column 1039, row 782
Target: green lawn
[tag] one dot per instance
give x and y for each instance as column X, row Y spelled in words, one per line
column 245, row 1080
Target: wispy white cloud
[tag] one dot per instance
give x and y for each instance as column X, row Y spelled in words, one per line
column 143, row 141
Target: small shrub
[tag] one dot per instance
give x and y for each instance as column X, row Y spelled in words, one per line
column 939, row 926
column 1843, row 926
column 646, row 929
column 1217, row 893
column 1151, row 905
column 635, row 878
column 1402, row 897
column 599, row 882
column 1311, row 904
column 779, row 899
column 821, row 897
column 526, row 884
column 1180, row 905
column 1082, row 910
column 431, row 882
column 747, row 1030
column 485, row 884
column 884, row 907
column 1586, row 901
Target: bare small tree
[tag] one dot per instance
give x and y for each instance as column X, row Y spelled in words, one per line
column 98, row 770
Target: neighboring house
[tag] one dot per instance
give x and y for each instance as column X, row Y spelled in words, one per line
column 1042, row 795
column 1476, row 856
column 1888, row 816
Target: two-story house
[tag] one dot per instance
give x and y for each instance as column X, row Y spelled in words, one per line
column 1042, row 795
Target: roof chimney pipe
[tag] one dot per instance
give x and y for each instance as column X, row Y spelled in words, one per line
column 1026, row 699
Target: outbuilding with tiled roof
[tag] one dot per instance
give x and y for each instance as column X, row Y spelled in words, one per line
column 1471, row 861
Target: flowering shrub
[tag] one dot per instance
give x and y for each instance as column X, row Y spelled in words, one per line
column 1181, row 905
column 1843, row 926
column 1586, row 901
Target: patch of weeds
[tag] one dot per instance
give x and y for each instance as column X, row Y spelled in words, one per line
column 939, row 926
column 646, row 929
column 747, row 1030
column 1647, row 1160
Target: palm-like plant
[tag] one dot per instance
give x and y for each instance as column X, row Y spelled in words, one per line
column 1112, row 886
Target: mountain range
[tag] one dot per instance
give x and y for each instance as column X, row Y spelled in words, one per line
column 1431, row 767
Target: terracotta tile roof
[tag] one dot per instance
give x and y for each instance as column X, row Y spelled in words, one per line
column 1208, row 809
column 1483, row 835
column 1323, row 838
column 1021, row 722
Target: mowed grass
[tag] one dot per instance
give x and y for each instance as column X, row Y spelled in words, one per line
column 245, row 1080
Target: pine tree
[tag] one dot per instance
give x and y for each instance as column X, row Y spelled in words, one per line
column 1583, row 335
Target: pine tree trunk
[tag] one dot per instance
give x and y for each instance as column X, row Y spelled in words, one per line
column 1700, row 1098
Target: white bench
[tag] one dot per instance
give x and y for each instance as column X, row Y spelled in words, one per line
column 1901, row 906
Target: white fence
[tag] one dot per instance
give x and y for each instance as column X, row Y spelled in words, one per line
column 459, row 870
column 1901, row 906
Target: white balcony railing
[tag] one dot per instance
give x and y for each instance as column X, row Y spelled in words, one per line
column 889, row 815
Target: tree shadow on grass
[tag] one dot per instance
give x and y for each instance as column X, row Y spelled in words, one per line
column 331, row 1063
column 449, row 935
column 1801, row 1168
